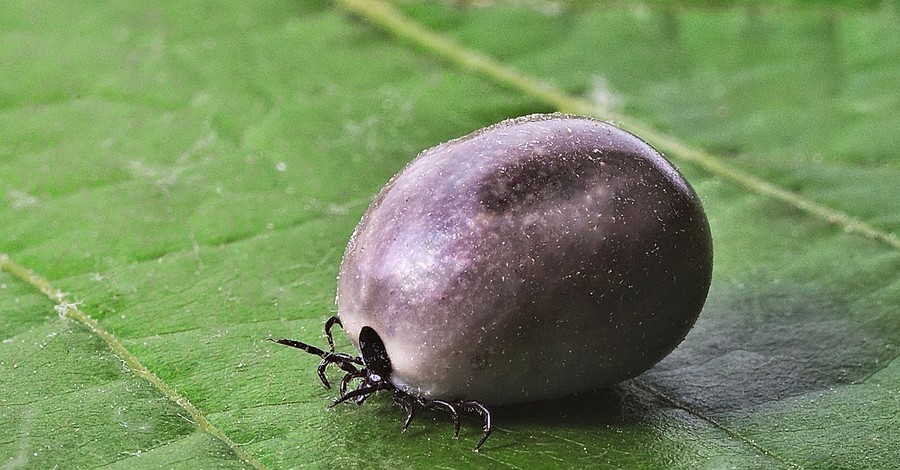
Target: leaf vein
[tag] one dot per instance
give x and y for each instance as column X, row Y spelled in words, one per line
column 68, row 309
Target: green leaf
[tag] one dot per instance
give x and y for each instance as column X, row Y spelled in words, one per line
column 178, row 183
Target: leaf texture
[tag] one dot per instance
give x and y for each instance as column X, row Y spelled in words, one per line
column 178, row 183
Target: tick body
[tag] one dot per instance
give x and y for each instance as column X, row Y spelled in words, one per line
column 536, row 258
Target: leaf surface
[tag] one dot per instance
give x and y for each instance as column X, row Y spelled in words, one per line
column 178, row 184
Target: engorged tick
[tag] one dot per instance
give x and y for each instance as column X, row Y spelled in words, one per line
column 536, row 258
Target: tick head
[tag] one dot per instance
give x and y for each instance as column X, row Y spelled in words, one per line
column 374, row 355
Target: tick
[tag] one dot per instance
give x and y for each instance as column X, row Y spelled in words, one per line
column 536, row 258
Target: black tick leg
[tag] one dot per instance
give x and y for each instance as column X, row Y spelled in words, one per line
column 485, row 413
column 405, row 402
column 449, row 408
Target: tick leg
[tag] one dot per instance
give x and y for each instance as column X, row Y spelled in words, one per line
column 359, row 392
column 321, row 371
column 326, row 357
column 362, row 399
column 328, row 324
column 350, row 376
column 300, row 345
column 344, row 361
column 434, row 404
column 407, row 404
column 485, row 413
